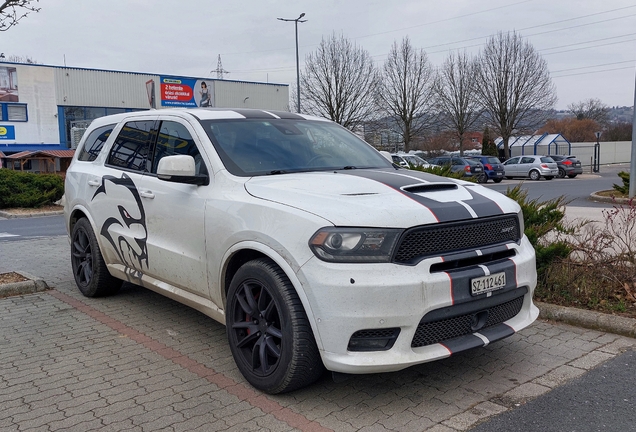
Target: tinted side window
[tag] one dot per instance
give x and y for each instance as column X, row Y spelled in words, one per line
column 527, row 160
column 94, row 143
column 175, row 139
column 130, row 150
column 512, row 161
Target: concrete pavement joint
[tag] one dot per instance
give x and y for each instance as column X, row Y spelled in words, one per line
column 239, row 390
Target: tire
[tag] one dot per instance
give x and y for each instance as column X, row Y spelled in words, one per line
column 534, row 175
column 509, row 177
column 572, row 175
column 498, row 180
column 561, row 173
column 268, row 331
column 89, row 269
column 549, row 177
column 482, row 178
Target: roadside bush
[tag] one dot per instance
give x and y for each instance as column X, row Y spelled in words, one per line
column 624, row 189
column 544, row 227
column 444, row 171
column 599, row 273
column 20, row 189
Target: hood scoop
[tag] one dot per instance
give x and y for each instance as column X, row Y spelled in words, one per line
column 429, row 187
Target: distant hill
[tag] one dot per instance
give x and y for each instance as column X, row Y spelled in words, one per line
column 617, row 114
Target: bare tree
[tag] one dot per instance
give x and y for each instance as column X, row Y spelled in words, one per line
column 12, row 11
column 20, row 59
column 456, row 98
column 339, row 82
column 514, row 86
column 405, row 93
column 590, row 109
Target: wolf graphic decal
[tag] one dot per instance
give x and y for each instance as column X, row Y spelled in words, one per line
column 125, row 223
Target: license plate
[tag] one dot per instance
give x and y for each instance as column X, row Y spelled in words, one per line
column 488, row 283
column 499, row 174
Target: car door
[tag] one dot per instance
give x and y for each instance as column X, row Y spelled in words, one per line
column 525, row 165
column 175, row 213
column 117, row 209
column 510, row 167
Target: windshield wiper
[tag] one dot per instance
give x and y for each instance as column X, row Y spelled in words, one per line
column 349, row 167
column 277, row 172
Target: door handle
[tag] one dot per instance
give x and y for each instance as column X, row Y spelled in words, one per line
column 94, row 183
column 146, row 194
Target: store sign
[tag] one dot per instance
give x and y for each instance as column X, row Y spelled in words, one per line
column 186, row 92
column 7, row 132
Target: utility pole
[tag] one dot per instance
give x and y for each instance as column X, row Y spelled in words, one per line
column 219, row 69
column 632, row 164
column 296, row 21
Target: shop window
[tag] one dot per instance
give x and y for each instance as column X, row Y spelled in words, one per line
column 14, row 112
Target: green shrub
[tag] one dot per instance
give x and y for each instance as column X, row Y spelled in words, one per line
column 625, row 188
column 541, row 218
column 20, row 189
column 444, row 171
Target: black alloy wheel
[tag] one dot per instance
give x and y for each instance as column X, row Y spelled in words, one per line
column 89, row 269
column 268, row 331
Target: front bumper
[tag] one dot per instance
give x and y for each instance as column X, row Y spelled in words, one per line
column 347, row 298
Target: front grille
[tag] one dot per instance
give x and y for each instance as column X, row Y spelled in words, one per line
column 438, row 331
column 442, row 239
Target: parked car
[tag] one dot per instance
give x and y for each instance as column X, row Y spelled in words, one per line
column 306, row 242
column 568, row 166
column 532, row 166
column 470, row 167
column 407, row 160
column 493, row 168
column 399, row 160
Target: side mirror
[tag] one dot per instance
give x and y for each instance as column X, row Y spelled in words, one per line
column 180, row 169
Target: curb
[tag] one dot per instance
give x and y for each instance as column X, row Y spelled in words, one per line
column 8, row 215
column 32, row 285
column 588, row 319
column 595, row 197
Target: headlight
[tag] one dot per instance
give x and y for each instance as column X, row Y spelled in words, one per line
column 354, row 245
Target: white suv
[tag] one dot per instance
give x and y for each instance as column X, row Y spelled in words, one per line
column 313, row 249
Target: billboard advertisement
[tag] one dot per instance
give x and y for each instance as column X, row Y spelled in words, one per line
column 186, row 92
column 8, row 84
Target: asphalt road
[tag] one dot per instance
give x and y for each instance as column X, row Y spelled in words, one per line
column 601, row 400
column 17, row 229
column 576, row 190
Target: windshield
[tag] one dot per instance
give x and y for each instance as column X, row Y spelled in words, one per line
column 251, row 147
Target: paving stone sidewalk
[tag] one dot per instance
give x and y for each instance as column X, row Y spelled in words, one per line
column 141, row 362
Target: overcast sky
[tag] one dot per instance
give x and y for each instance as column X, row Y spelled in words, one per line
column 590, row 46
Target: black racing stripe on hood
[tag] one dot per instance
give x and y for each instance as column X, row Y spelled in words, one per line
column 443, row 211
column 483, row 206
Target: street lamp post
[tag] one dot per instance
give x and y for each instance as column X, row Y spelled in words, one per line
column 296, row 21
column 597, row 153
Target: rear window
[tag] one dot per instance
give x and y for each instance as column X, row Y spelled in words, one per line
column 492, row 160
column 94, row 143
column 547, row 159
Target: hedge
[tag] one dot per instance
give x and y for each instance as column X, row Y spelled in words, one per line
column 22, row 189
